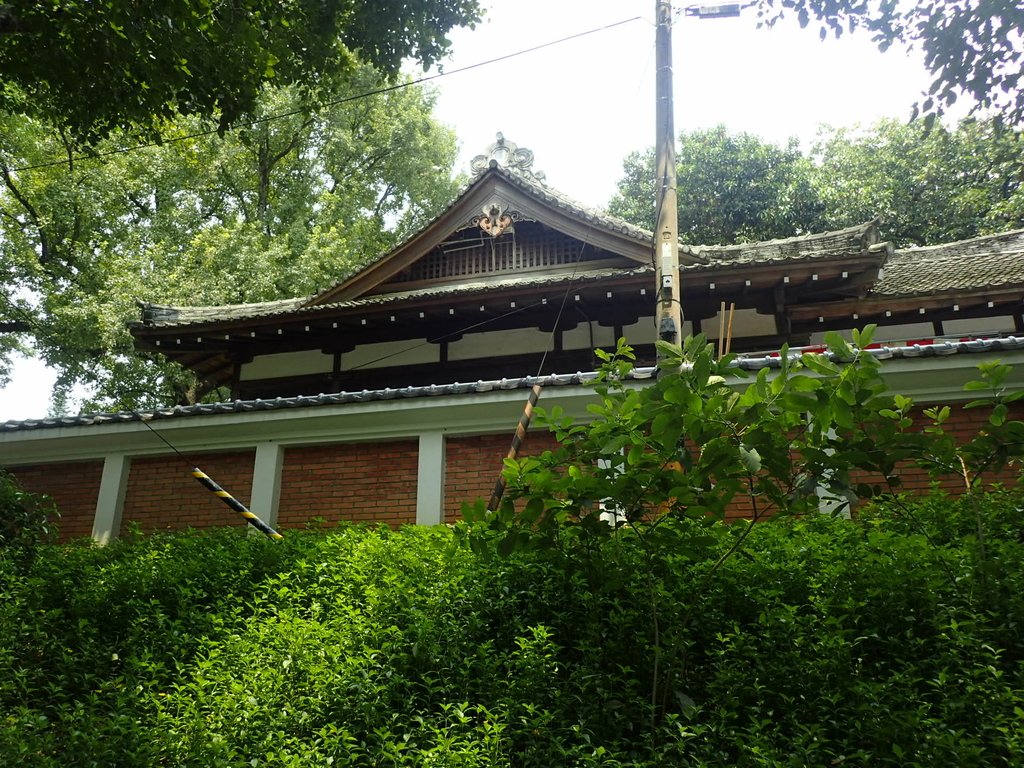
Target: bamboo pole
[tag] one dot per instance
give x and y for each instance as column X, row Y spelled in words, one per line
column 517, row 442
column 728, row 331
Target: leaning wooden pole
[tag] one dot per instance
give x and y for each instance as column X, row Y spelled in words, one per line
column 517, row 442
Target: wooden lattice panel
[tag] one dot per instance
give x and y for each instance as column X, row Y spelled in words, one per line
column 531, row 247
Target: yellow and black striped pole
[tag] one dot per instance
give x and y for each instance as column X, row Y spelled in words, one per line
column 517, row 441
column 234, row 503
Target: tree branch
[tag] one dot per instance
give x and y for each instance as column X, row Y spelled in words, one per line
column 44, row 244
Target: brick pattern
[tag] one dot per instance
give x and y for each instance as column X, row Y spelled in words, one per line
column 474, row 463
column 963, row 424
column 74, row 488
column 162, row 495
column 357, row 482
column 360, row 482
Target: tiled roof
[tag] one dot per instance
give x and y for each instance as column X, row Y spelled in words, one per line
column 854, row 240
column 845, row 242
column 851, row 241
column 161, row 316
column 537, row 190
column 592, row 216
column 753, row 363
column 983, row 262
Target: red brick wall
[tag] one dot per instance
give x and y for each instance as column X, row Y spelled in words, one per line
column 74, row 488
column 368, row 482
column 163, row 495
column 474, row 464
column 359, row 482
column 963, row 424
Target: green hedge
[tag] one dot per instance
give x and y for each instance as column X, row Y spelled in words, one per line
column 894, row 640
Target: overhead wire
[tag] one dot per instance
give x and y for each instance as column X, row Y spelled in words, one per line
column 367, row 94
column 397, row 86
column 332, row 103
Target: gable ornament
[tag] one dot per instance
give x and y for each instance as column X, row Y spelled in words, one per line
column 497, row 218
column 506, row 154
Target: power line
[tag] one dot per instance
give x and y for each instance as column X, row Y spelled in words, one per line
column 336, row 102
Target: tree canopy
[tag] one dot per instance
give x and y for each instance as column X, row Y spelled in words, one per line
column 732, row 187
column 92, row 66
column 926, row 186
column 276, row 209
column 969, row 47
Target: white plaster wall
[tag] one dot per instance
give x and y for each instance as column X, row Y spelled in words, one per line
column 978, row 326
column 580, row 337
column 888, row 333
column 745, row 322
column 641, row 332
column 287, row 364
column 388, row 354
column 519, row 341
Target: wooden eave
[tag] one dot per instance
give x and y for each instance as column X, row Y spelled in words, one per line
column 750, row 285
column 457, row 216
column 888, row 308
column 216, row 345
column 771, row 287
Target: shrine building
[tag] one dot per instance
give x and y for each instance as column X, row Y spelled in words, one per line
column 391, row 395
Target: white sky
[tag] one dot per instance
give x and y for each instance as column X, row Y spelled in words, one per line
column 583, row 105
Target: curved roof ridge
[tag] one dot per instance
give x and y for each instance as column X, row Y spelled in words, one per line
column 855, row 229
column 995, row 236
column 153, row 312
column 521, row 181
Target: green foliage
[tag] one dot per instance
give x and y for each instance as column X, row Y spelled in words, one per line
column 928, row 186
column 970, row 48
column 93, row 67
column 831, row 640
column 274, row 210
column 701, row 442
column 692, row 444
column 26, row 520
column 732, row 188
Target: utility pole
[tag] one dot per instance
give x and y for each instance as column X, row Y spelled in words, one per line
column 669, row 315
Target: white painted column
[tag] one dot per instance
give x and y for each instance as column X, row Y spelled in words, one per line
column 828, row 504
column 266, row 482
column 110, row 502
column 430, row 479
